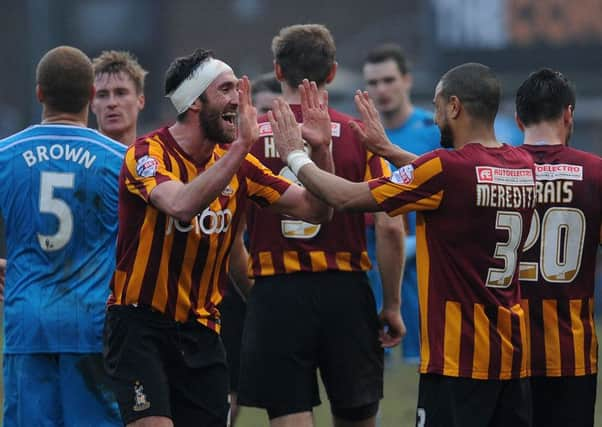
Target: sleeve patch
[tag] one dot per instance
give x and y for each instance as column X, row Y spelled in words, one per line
column 146, row 166
column 403, row 175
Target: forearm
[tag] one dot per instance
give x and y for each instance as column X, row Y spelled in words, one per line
column 336, row 191
column 398, row 156
column 390, row 257
column 322, row 157
column 239, row 264
column 320, row 211
column 185, row 201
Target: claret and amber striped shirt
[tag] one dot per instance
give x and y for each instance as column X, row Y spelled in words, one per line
column 282, row 245
column 475, row 206
column 557, row 269
column 179, row 269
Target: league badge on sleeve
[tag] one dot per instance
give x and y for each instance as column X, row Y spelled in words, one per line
column 403, row 175
column 146, row 166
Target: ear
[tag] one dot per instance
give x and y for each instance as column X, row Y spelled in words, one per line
column 333, row 72
column 92, row 93
column 39, row 94
column 141, row 102
column 519, row 123
column 278, row 72
column 567, row 116
column 196, row 106
column 408, row 80
column 453, row 107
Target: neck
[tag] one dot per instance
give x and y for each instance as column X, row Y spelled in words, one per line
column 192, row 140
column 396, row 118
column 292, row 96
column 127, row 137
column 544, row 132
column 476, row 133
column 57, row 117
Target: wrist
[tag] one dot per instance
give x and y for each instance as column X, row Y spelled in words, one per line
column 392, row 305
column 296, row 159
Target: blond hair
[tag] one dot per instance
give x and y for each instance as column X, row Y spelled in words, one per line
column 116, row 61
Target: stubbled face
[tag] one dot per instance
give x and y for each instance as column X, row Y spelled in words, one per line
column 441, row 119
column 116, row 103
column 386, row 85
column 263, row 101
column 219, row 109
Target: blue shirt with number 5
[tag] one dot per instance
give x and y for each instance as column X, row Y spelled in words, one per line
column 58, row 198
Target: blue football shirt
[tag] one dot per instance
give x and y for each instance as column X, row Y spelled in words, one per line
column 58, row 198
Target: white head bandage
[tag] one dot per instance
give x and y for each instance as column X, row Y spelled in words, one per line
column 193, row 86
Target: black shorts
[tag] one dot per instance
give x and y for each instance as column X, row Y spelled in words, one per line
column 464, row 402
column 233, row 309
column 564, row 401
column 299, row 322
column 165, row 368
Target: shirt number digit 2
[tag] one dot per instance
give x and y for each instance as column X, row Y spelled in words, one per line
column 562, row 231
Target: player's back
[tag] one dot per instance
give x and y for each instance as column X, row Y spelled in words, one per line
column 279, row 244
column 477, row 205
column 557, row 269
column 59, row 203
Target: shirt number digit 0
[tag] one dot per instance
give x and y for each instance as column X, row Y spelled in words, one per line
column 513, row 223
column 562, row 231
column 57, row 207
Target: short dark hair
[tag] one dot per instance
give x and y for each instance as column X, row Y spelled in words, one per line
column 543, row 96
column 389, row 52
column 118, row 61
column 477, row 87
column 66, row 79
column 181, row 69
column 266, row 83
column 304, row 52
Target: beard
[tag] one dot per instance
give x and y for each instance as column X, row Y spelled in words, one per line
column 447, row 136
column 211, row 125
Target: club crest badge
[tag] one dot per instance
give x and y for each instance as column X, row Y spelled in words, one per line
column 140, row 401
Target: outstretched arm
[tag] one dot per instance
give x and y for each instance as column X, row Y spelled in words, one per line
column 335, row 191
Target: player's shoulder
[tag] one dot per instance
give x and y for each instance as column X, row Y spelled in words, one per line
column 56, row 133
column 438, row 156
column 584, row 156
column 157, row 138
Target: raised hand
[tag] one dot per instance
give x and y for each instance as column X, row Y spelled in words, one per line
column 248, row 131
column 316, row 128
column 371, row 133
column 287, row 134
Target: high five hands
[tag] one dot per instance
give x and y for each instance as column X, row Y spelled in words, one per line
column 371, row 132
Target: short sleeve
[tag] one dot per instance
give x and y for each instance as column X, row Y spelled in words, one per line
column 263, row 187
column 376, row 166
column 145, row 168
column 418, row 186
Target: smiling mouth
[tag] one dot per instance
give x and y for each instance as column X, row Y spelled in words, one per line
column 229, row 117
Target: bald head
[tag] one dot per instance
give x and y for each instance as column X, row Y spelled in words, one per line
column 477, row 88
column 65, row 78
